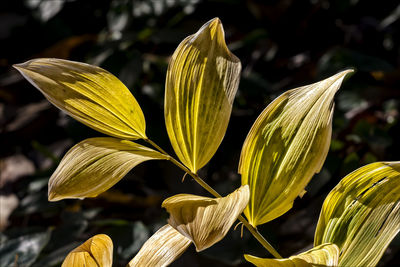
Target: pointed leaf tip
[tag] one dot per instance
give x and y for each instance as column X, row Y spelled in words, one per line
column 205, row 220
column 94, row 165
column 201, row 84
column 89, row 94
column 286, row 146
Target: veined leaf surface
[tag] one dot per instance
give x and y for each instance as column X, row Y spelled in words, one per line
column 95, row 252
column 323, row 255
column 362, row 214
column 202, row 80
column 204, row 220
column 89, row 94
column 94, row 165
column 286, row 146
column 161, row 249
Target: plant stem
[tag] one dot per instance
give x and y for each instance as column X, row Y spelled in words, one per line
column 253, row 230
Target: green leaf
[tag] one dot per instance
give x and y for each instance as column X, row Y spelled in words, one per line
column 96, row 164
column 323, row 255
column 362, row 214
column 286, row 146
column 89, row 94
column 202, row 80
column 205, row 220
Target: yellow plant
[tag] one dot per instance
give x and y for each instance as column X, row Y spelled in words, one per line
column 285, row 147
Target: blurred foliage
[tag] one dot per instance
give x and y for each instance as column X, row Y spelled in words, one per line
column 282, row 45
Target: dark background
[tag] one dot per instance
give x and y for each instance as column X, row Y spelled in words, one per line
column 282, row 45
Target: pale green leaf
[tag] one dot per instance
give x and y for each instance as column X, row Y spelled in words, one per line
column 204, row 220
column 95, row 252
column 362, row 214
column 323, row 255
column 88, row 93
column 161, row 249
column 202, row 80
column 286, row 146
column 94, row 165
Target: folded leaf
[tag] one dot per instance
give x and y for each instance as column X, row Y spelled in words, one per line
column 95, row 252
column 204, row 220
column 286, row 146
column 202, row 80
column 362, row 214
column 89, row 94
column 323, row 255
column 94, row 165
column 161, row 249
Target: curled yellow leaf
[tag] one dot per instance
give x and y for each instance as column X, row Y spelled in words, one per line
column 204, row 220
column 95, row 252
column 94, row 165
column 286, row 146
column 161, row 249
column 89, row 94
column 323, row 255
column 202, row 80
column 362, row 214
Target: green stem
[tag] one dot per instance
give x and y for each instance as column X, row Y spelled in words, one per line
column 253, row 230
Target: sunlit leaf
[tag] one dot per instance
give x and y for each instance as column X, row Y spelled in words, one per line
column 94, row 165
column 95, row 252
column 88, row 93
column 323, row 255
column 204, row 220
column 362, row 214
column 286, row 146
column 161, row 249
column 202, row 80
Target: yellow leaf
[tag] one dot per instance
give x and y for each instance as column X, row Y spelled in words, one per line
column 362, row 214
column 94, row 165
column 323, row 255
column 286, row 146
column 204, row 220
column 161, row 249
column 202, row 80
column 89, row 94
column 95, row 252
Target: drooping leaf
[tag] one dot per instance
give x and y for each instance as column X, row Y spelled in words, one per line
column 161, row 249
column 362, row 214
column 286, row 146
column 95, row 252
column 202, row 80
column 204, row 220
column 323, row 255
column 89, row 94
column 94, row 165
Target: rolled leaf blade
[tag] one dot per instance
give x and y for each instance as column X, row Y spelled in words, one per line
column 89, row 94
column 96, row 164
column 202, row 80
column 204, row 220
column 161, row 249
column 95, row 252
column 286, row 146
column 323, row 255
column 362, row 214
